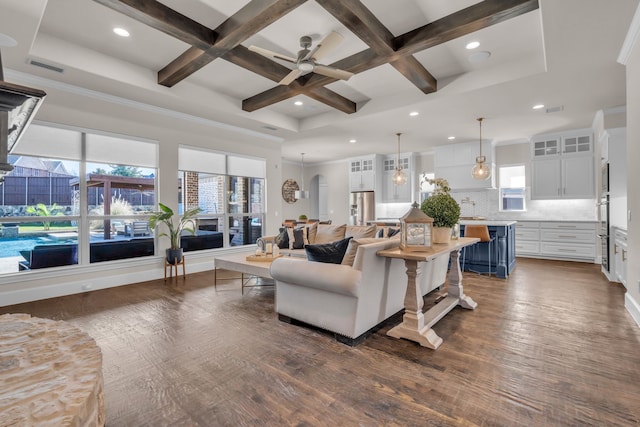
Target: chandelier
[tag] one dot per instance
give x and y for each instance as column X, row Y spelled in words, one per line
column 399, row 177
column 302, row 193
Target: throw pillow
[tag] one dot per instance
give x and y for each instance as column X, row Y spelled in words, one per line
column 328, row 233
column 297, row 237
column 360, row 231
column 352, row 249
column 282, row 239
column 312, row 230
column 328, row 252
column 392, row 232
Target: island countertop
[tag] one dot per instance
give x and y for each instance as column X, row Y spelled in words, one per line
column 489, row 222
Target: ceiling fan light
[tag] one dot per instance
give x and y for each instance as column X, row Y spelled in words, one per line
column 306, row 66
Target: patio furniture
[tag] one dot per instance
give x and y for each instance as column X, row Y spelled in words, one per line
column 137, row 228
column 45, row 256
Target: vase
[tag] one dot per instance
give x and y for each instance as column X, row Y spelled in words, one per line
column 174, row 256
column 441, row 234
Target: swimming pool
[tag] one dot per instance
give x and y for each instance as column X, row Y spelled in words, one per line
column 12, row 246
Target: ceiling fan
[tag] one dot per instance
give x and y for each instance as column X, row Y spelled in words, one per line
column 306, row 62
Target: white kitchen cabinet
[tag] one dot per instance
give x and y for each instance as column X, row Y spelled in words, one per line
column 568, row 240
column 454, row 162
column 363, row 172
column 620, row 256
column 392, row 193
column 565, row 171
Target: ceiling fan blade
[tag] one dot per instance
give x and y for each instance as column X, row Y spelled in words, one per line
column 271, row 54
column 330, row 42
column 290, row 77
column 335, row 73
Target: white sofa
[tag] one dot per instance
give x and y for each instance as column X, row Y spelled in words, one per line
column 349, row 300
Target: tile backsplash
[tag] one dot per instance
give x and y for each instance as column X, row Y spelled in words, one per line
column 486, row 203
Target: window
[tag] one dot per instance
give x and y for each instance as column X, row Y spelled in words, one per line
column 512, row 188
column 230, row 192
column 43, row 198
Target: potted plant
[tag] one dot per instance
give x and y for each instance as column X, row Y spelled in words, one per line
column 185, row 223
column 302, row 218
column 443, row 208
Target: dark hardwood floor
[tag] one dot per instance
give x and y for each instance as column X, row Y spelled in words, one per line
column 550, row 346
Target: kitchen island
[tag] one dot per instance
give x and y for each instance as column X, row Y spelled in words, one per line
column 503, row 260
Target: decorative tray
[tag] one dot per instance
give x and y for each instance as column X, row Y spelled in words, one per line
column 262, row 258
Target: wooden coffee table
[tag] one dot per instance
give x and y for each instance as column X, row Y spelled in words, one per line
column 238, row 262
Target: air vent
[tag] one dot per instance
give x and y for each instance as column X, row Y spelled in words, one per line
column 270, row 127
column 554, row 109
column 46, row 66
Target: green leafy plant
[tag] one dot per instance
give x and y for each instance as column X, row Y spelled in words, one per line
column 185, row 223
column 42, row 210
column 440, row 206
column 302, row 217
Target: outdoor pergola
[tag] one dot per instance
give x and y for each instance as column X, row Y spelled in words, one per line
column 108, row 182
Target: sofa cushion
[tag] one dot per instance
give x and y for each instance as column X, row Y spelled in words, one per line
column 328, row 233
column 297, row 237
column 360, row 231
column 352, row 249
column 282, row 239
column 328, row 252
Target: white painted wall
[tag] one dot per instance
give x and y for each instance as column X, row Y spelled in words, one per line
column 632, row 300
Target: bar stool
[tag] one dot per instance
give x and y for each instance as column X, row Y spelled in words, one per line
column 482, row 232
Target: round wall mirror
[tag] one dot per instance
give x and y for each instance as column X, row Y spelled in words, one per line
column 289, row 187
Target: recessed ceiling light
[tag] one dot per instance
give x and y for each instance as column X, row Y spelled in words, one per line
column 451, row 138
column 353, row 141
column 121, row 32
column 472, row 45
column 414, row 113
column 298, row 103
column 479, row 56
column 538, row 106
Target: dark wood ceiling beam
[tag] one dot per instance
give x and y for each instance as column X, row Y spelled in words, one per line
column 413, row 70
column 249, row 20
column 473, row 18
column 362, row 22
column 164, row 19
column 332, row 99
column 256, row 63
column 270, row 97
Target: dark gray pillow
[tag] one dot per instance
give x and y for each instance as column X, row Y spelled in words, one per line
column 393, row 231
column 282, row 239
column 331, row 253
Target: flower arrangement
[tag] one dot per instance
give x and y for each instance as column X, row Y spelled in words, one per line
column 440, row 206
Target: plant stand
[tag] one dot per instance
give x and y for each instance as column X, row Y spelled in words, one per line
column 172, row 266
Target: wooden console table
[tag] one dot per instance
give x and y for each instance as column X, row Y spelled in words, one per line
column 416, row 326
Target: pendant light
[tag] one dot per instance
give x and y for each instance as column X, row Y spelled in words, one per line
column 481, row 170
column 399, row 177
column 302, row 193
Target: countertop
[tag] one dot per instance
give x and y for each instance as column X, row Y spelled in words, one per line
column 487, row 222
column 555, row 220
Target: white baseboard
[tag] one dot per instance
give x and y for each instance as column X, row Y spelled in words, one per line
column 632, row 307
column 50, row 283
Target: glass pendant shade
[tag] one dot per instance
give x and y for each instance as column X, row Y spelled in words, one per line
column 399, row 177
column 481, row 170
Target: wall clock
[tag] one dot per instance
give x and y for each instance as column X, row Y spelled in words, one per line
column 289, row 187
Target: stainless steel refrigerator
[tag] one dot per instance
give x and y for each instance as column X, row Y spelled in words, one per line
column 362, row 207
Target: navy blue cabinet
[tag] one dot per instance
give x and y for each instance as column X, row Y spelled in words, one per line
column 503, row 259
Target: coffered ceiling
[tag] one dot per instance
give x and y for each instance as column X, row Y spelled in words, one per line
column 562, row 53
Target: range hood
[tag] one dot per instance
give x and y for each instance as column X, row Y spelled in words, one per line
column 18, row 106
